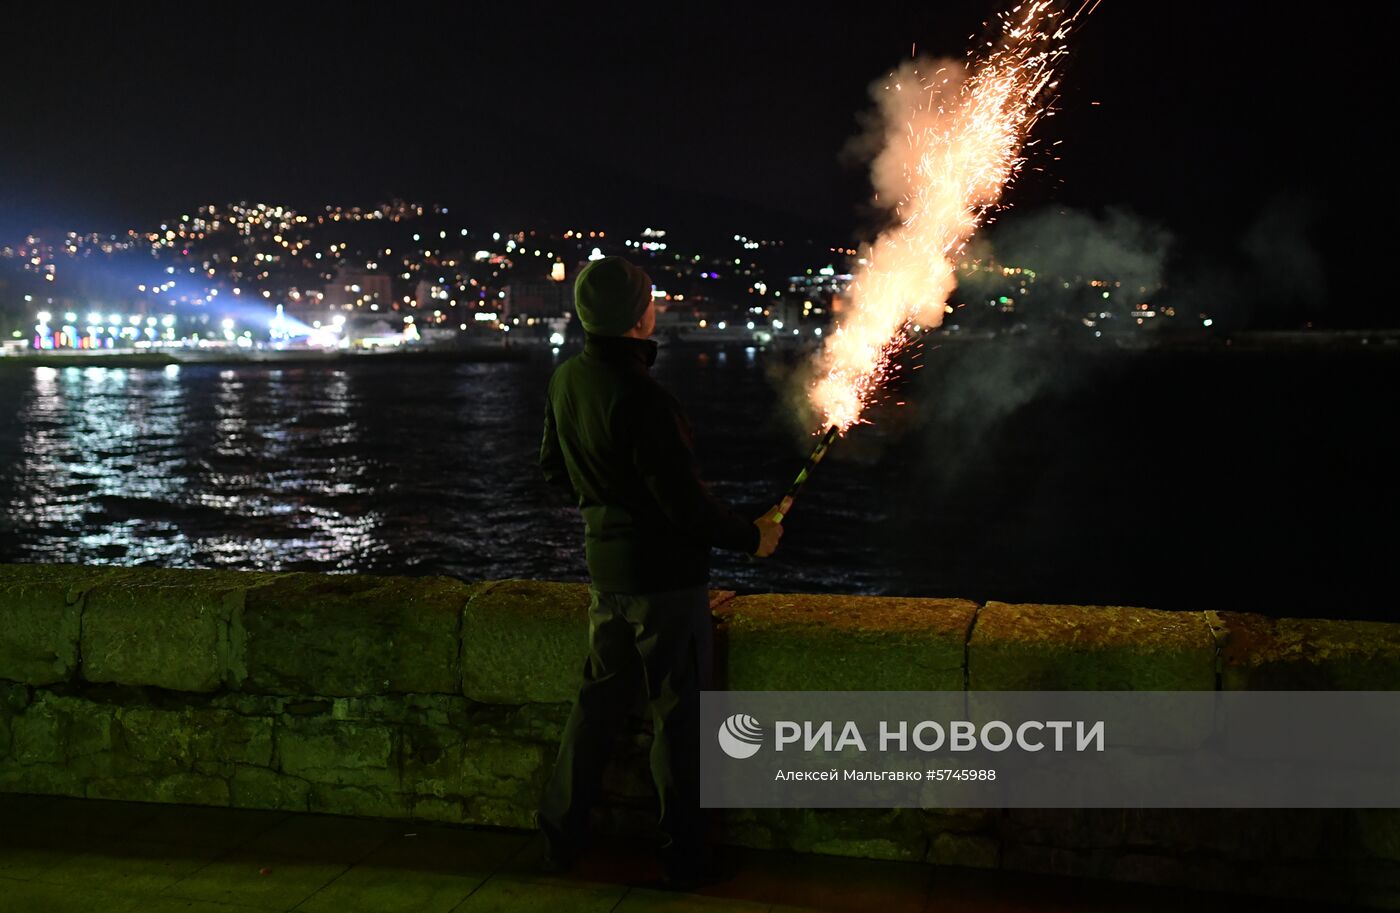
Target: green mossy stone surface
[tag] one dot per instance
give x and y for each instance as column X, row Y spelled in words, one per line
column 802, row 642
column 505, row 768
column 330, row 752
column 351, row 635
column 494, row 811
column 1089, row 648
column 175, row 629
column 40, row 617
column 366, row 801
column 503, row 781
column 182, row 739
column 1308, row 654
column 177, row 788
column 525, row 641
column 359, row 702
column 525, row 722
column 257, row 787
column 433, row 763
column 445, row 810
column 41, row 779
column 37, row 738
column 14, row 697
column 62, row 730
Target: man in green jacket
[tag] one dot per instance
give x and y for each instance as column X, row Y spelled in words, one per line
column 623, row 446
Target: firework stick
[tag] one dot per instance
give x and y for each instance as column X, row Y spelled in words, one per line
column 820, row 451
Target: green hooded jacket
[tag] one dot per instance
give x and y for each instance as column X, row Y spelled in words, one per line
column 622, row 444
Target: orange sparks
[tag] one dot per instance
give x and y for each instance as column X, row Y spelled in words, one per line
column 954, row 138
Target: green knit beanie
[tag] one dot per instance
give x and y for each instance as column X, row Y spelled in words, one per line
column 611, row 295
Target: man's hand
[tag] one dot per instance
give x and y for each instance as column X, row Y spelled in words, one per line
column 770, row 529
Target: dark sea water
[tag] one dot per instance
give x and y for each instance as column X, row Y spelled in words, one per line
column 1230, row 480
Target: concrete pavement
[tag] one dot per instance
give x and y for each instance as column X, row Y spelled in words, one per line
column 59, row 854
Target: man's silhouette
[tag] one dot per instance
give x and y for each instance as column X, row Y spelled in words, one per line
column 623, row 446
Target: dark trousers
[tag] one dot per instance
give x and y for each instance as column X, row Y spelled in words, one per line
column 666, row 641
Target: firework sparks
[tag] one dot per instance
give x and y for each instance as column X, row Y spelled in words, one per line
column 954, row 141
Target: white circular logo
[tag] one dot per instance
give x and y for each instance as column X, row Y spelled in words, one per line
column 740, row 736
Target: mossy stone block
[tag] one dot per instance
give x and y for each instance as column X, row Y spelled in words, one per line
column 14, row 697
column 258, row 787
column 71, row 731
column 525, row 640
column 1308, row 654
column 362, row 755
column 41, row 779
column 182, row 788
column 1089, row 648
column 433, row 762
column 365, row 801
column 37, row 737
column 500, row 767
column 432, row 808
column 493, row 811
column 802, row 642
column 40, row 617
column 181, row 739
column 175, row 629
column 349, row 635
column 503, row 781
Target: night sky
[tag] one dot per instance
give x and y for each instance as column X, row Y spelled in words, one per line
column 718, row 117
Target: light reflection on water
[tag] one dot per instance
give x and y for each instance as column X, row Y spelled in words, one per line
column 402, row 469
column 192, row 467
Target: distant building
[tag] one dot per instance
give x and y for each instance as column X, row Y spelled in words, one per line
column 424, row 294
column 359, row 289
column 538, row 298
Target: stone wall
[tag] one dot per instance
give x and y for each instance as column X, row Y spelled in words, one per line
column 438, row 699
